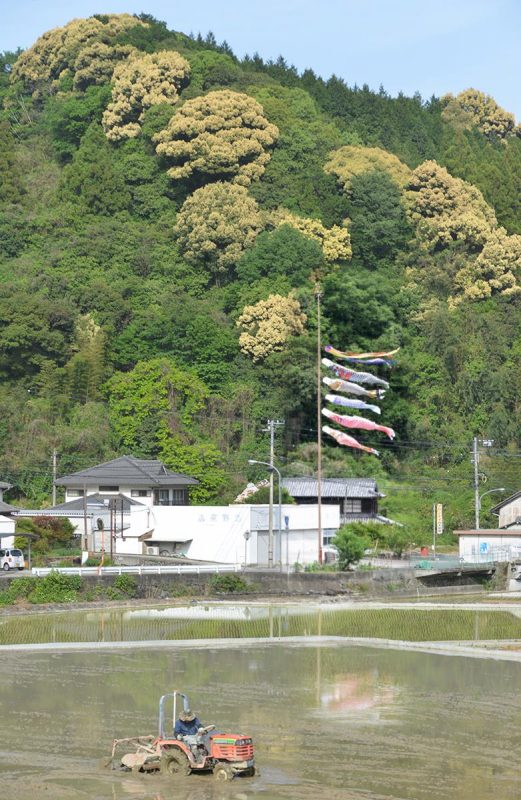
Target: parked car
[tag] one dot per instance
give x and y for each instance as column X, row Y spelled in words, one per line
column 11, row 558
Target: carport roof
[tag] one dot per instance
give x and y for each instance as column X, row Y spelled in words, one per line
column 5, row 508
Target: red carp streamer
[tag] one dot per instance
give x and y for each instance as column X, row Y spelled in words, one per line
column 357, row 422
column 343, row 438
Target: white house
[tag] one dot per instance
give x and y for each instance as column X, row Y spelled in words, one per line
column 117, row 501
column 495, row 544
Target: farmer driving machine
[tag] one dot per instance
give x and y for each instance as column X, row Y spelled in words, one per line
column 224, row 754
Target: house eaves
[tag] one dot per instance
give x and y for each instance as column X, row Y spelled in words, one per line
column 497, row 508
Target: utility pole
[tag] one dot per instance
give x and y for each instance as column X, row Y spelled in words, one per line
column 318, row 295
column 475, row 458
column 54, row 463
column 112, row 521
column 85, row 536
column 272, row 424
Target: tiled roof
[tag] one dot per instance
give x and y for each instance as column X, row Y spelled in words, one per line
column 127, row 471
column 332, row 487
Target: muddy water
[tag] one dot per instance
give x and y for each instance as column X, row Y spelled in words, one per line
column 328, row 722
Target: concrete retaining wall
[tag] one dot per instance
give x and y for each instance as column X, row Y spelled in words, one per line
column 370, row 583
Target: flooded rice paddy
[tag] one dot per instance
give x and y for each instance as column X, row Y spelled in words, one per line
column 406, row 622
column 329, row 720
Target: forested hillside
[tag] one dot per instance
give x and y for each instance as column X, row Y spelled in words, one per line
column 166, row 212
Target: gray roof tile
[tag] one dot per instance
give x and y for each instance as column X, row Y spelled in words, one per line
column 332, row 487
column 127, row 471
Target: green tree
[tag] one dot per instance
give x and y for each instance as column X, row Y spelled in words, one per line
column 262, row 496
column 32, row 327
column 154, row 411
column 91, row 178
column 51, row 532
column 351, row 544
column 285, row 252
column 69, row 116
column 11, row 184
column 379, row 227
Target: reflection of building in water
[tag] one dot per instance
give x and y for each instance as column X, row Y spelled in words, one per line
column 354, row 693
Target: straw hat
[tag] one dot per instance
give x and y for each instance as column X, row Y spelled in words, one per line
column 187, row 715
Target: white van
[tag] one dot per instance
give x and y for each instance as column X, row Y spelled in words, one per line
column 12, row 558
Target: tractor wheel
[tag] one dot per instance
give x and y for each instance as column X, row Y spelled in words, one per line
column 175, row 764
column 222, row 772
column 249, row 773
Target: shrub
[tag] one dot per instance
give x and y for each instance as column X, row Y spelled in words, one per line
column 55, row 588
column 228, row 584
column 126, row 584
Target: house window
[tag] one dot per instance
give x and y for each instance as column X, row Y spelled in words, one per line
column 178, row 497
column 161, row 497
column 108, row 489
column 140, row 493
column 352, row 506
column 75, row 492
column 170, row 497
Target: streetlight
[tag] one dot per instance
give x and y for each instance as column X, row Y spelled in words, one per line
column 481, row 496
column 272, row 468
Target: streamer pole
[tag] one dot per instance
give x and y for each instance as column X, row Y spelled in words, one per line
column 318, row 295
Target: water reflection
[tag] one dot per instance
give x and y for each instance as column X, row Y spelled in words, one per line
column 331, row 723
column 352, row 693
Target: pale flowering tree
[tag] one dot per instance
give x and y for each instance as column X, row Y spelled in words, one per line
column 350, row 161
column 447, row 209
column 335, row 242
column 269, row 324
column 223, row 134
column 142, row 81
column 96, row 63
column 474, row 109
column 451, row 216
column 55, row 53
column 215, row 225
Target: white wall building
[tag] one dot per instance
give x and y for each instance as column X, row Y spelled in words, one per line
column 240, row 533
column 7, row 524
column 489, row 544
column 495, row 544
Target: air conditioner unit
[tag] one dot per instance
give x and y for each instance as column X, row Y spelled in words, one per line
column 152, row 551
